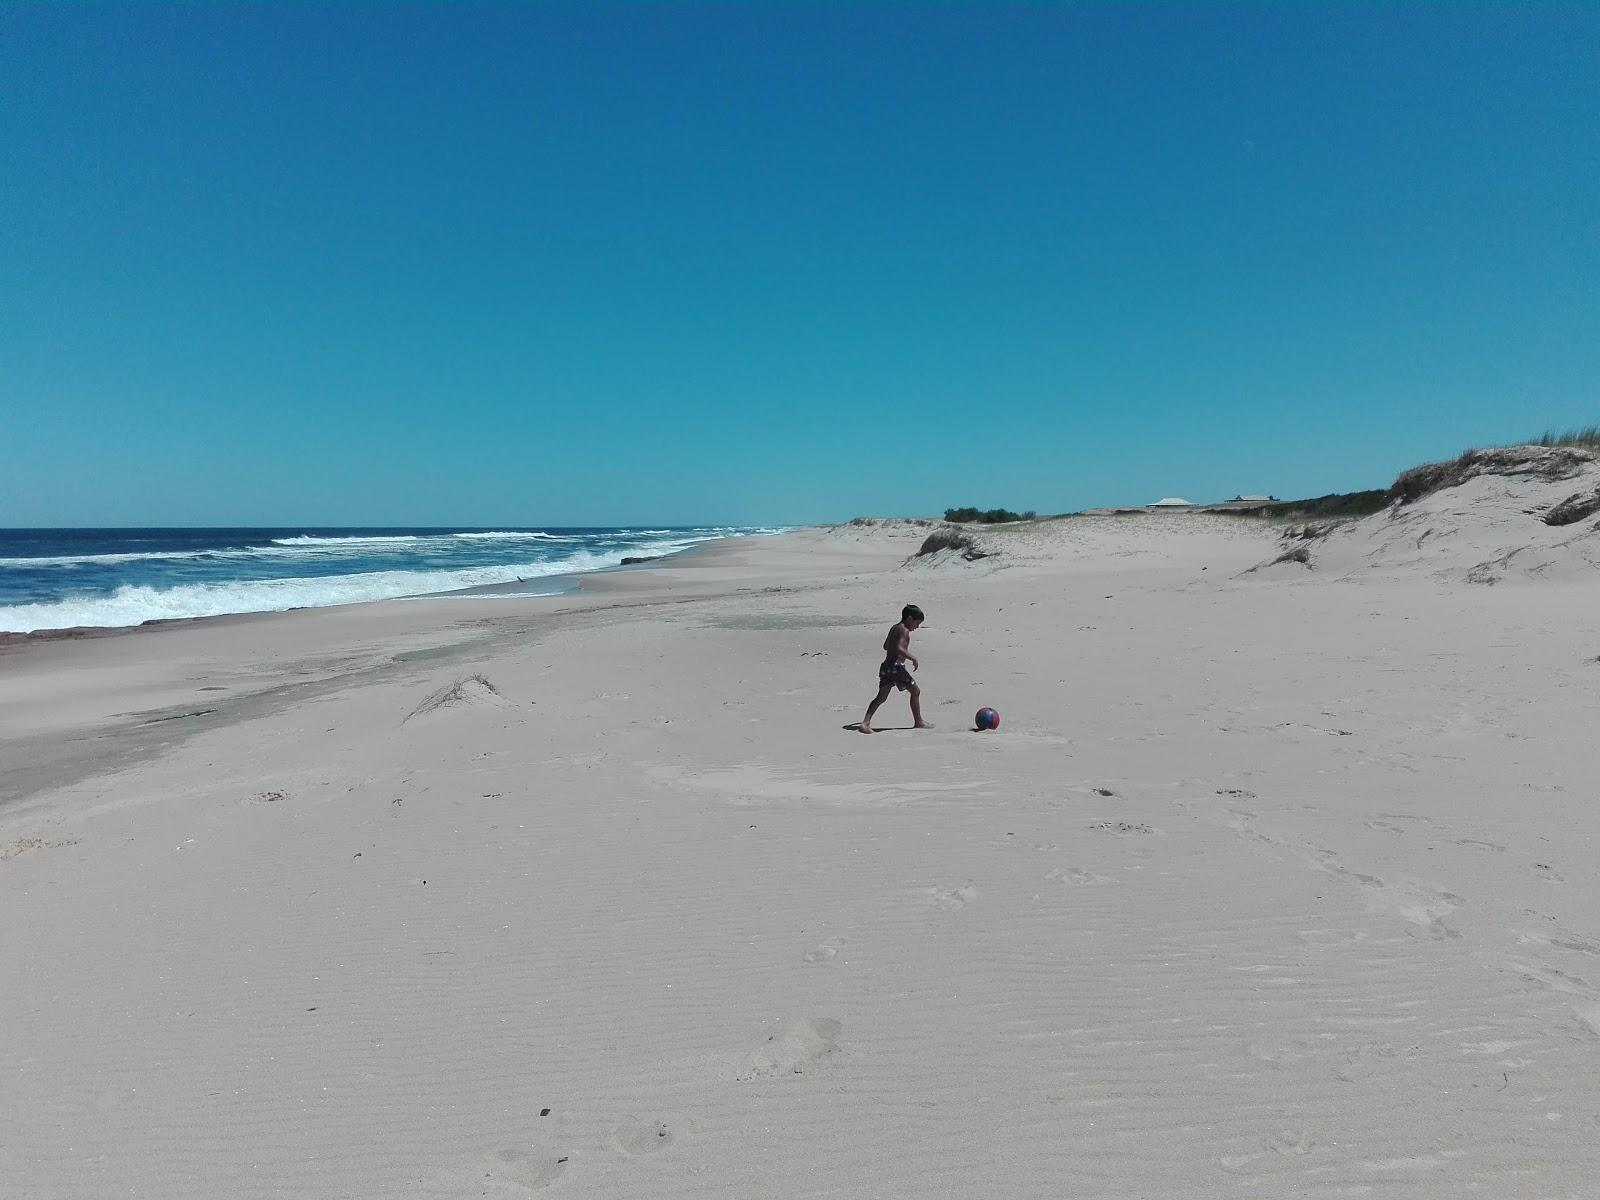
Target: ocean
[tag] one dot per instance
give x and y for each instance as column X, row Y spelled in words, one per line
column 59, row 578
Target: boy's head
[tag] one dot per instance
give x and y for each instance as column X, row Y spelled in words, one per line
column 911, row 616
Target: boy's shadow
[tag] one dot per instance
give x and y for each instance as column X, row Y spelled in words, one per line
column 855, row 727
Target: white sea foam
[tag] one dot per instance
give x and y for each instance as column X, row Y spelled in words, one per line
column 307, row 544
column 288, row 548
column 133, row 605
column 85, row 560
column 512, row 535
column 295, row 547
column 380, row 540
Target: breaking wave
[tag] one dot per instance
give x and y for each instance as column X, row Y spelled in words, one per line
column 135, row 604
column 128, row 587
column 77, row 560
column 513, row 535
column 376, row 540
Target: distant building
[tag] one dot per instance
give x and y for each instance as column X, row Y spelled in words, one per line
column 1242, row 502
column 1167, row 502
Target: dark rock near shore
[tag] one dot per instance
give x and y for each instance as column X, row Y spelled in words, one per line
column 628, row 562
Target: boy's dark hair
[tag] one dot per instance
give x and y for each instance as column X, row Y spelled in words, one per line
column 911, row 613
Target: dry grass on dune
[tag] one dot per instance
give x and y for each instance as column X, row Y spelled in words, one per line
column 951, row 539
column 1487, row 515
column 1551, row 463
column 1586, row 435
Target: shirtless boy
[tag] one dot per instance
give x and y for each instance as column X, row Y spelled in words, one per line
column 893, row 674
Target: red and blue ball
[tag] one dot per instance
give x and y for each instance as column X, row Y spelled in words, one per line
column 987, row 718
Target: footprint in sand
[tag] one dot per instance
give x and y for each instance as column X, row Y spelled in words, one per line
column 1561, row 941
column 515, row 1171
column 1284, row 1052
column 825, row 951
column 1290, row 1142
column 1407, row 1168
column 793, row 1049
column 1076, row 877
column 637, row 1138
column 509, row 1173
column 951, row 899
column 1582, row 997
column 1241, row 1164
column 1364, row 1062
column 1382, row 826
column 1422, row 904
column 1330, row 939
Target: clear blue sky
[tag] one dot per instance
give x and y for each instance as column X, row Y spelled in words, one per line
column 547, row 264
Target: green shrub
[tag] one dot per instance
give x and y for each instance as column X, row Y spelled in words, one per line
column 1339, row 504
column 992, row 516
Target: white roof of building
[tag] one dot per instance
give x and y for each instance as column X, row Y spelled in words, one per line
column 1172, row 502
column 1257, row 498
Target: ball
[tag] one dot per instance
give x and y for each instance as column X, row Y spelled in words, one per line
column 987, row 718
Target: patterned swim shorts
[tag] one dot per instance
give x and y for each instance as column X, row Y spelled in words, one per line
column 895, row 674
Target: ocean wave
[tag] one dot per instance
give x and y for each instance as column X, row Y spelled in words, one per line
column 89, row 560
column 135, row 604
column 143, row 599
column 288, row 549
column 388, row 539
column 311, row 546
column 515, row 535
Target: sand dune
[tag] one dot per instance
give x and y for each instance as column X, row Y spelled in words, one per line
column 1520, row 512
column 1261, row 890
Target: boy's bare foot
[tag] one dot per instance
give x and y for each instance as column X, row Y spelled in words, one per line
column 864, row 727
column 922, row 725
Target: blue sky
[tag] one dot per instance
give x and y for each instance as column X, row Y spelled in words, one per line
column 584, row 265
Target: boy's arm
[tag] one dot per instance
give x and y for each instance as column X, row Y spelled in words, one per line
column 905, row 648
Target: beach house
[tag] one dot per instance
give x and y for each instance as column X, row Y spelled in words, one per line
column 1243, row 501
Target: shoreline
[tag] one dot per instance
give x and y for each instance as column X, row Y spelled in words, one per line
column 46, row 740
column 559, row 583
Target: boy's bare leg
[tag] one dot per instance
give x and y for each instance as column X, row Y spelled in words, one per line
column 916, row 709
column 883, row 694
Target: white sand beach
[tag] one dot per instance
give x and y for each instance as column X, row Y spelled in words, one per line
column 1272, row 884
